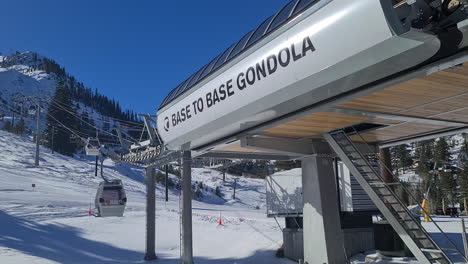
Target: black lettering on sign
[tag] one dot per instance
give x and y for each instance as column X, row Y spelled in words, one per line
column 182, row 113
column 222, row 92
column 250, row 76
column 307, row 45
column 215, row 97
column 209, row 102
column 200, row 105
column 194, row 103
column 272, row 64
column 261, row 70
column 187, row 109
column 178, row 120
column 295, row 56
column 241, row 81
column 230, row 92
column 174, row 121
column 284, row 62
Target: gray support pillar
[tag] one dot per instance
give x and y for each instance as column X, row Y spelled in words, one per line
column 187, row 250
column 150, row 214
column 323, row 236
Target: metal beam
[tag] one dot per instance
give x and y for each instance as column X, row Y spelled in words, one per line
column 399, row 117
column 289, row 146
column 245, row 155
column 297, row 147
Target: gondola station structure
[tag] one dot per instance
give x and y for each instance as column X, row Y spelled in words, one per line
column 320, row 81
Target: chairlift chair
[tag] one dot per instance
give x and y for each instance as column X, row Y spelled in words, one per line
column 110, row 199
column 92, row 147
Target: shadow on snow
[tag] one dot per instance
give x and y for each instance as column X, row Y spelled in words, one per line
column 60, row 243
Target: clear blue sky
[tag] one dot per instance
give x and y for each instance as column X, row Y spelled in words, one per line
column 135, row 51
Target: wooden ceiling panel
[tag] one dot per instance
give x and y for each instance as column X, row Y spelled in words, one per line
column 417, row 92
column 236, row 147
column 437, row 108
column 314, row 124
column 460, row 116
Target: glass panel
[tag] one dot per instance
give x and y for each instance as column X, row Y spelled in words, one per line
column 184, row 87
column 222, row 58
column 240, row 45
column 259, row 31
column 282, row 15
column 209, row 67
column 166, row 100
column 195, row 79
column 176, row 91
column 303, row 4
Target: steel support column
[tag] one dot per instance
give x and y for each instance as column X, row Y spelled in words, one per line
column 150, row 214
column 323, row 236
column 187, row 249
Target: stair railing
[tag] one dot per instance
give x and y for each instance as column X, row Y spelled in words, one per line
column 405, row 189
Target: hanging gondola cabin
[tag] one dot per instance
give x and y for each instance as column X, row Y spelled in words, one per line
column 32, row 110
column 92, row 147
column 110, row 199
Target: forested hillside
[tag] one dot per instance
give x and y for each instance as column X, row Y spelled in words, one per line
column 435, row 169
column 69, row 112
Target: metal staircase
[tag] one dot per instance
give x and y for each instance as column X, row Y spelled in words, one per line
column 387, row 201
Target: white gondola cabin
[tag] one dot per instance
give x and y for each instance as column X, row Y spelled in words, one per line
column 32, row 110
column 92, row 147
column 110, row 199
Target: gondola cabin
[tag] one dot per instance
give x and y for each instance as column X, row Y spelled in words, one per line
column 92, row 147
column 110, row 199
column 32, row 110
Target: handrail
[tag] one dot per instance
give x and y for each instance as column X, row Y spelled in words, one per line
column 277, row 197
column 411, row 195
column 395, row 196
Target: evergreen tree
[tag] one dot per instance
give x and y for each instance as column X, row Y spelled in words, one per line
column 441, row 152
column 58, row 117
column 424, row 156
column 448, row 186
column 20, row 127
column 402, row 157
column 463, row 176
column 7, row 126
column 435, row 194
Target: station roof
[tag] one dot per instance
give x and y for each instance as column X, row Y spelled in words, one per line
column 291, row 10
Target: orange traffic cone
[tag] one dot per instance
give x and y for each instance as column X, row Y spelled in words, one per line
column 220, row 219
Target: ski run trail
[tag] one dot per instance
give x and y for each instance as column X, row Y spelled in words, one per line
column 50, row 223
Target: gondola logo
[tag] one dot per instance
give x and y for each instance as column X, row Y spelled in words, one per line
column 166, row 124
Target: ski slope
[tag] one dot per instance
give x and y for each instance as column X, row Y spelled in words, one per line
column 50, row 224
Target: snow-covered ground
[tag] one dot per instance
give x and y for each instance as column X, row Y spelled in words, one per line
column 50, row 223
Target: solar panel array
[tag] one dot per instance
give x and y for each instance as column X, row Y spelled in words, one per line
column 288, row 12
